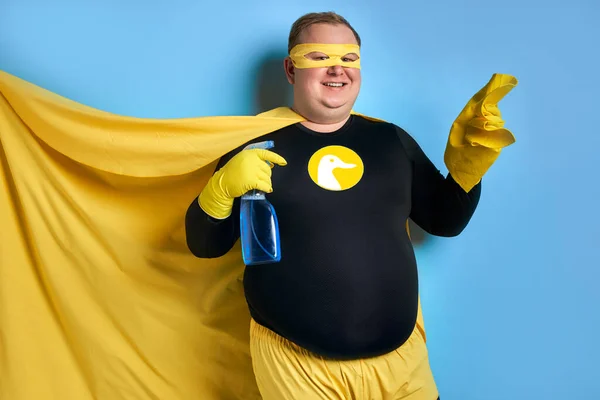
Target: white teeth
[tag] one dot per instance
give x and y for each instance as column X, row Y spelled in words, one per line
column 332, row 84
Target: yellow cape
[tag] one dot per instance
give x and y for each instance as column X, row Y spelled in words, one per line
column 99, row 296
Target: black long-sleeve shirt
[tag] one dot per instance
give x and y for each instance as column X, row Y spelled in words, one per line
column 347, row 285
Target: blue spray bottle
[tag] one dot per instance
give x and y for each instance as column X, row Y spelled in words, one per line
column 259, row 228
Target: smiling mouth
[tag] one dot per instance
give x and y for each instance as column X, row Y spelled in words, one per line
column 335, row 84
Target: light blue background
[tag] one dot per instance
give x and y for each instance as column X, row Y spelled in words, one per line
column 511, row 305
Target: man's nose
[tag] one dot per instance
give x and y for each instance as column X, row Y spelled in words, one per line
column 336, row 70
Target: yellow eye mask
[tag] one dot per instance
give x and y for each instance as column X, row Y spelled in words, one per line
column 337, row 54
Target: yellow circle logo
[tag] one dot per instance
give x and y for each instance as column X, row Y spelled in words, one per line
column 335, row 168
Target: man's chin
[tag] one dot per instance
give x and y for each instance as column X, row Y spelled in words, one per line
column 335, row 106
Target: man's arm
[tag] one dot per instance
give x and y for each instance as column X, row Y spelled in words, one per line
column 212, row 220
column 439, row 205
column 208, row 237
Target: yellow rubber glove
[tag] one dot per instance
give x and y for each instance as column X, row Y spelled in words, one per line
column 478, row 135
column 247, row 170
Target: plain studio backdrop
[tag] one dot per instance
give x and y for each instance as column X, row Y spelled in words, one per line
column 511, row 305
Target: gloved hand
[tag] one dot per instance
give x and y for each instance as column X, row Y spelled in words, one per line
column 478, row 135
column 247, row 170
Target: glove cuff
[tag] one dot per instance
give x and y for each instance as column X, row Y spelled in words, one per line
column 213, row 201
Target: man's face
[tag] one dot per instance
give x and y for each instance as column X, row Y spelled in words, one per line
column 318, row 95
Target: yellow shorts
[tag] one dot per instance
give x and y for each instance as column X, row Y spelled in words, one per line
column 285, row 371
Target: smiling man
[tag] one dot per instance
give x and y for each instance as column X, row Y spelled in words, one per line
column 337, row 317
column 324, row 96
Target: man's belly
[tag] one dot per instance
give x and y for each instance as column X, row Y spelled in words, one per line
column 351, row 296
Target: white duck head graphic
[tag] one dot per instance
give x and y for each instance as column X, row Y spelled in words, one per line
column 325, row 177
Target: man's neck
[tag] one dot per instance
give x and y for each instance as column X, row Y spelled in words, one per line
column 324, row 127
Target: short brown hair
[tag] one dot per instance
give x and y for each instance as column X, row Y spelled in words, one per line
column 307, row 20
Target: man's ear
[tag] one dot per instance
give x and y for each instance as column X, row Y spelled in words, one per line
column 290, row 71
